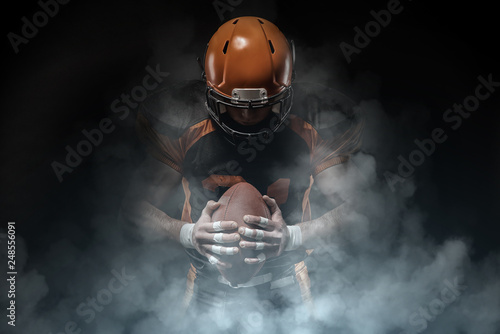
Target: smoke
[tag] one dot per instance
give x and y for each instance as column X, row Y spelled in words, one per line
column 387, row 275
column 383, row 273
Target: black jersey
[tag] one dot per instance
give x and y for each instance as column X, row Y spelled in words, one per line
column 321, row 131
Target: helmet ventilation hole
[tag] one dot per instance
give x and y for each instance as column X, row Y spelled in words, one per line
column 271, row 46
column 235, row 21
column 224, row 50
column 260, row 21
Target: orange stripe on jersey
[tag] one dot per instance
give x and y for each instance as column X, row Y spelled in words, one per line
column 304, row 281
column 279, row 190
column 186, row 210
column 188, row 294
column 332, row 162
column 306, row 205
column 305, row 130
column 194, row 133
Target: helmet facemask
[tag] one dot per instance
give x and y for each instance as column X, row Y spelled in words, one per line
column 249, row 99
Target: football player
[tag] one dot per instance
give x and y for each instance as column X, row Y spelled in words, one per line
column 238, row 125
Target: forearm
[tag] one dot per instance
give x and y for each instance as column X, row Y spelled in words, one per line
column 325, row 226
column 151, row 221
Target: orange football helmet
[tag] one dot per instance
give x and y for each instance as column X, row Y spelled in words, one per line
column 248, row 64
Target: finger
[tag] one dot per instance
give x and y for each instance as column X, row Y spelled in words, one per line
column 219, row 250
column 221, row 238
column 251, row 233
column 216, row 262
column 259, row 221
column 258, row 245
column 210, row 238
column 210, row 207
column 219, row 226
column 271, row 203
column 254, row 260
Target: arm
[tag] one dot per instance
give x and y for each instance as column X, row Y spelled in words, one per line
column 153, row 184
column 332, row 184
column 278, row 237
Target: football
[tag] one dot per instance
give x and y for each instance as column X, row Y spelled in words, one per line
column 239, row 200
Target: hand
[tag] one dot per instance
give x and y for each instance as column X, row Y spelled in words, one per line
column 272, row 240
column 208, row 235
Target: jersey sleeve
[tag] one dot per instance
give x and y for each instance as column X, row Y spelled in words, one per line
column 329, row 122
column 171, row 120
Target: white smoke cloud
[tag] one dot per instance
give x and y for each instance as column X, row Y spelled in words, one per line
column 377, row 280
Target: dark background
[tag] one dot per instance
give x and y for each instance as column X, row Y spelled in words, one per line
column 65, row 78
